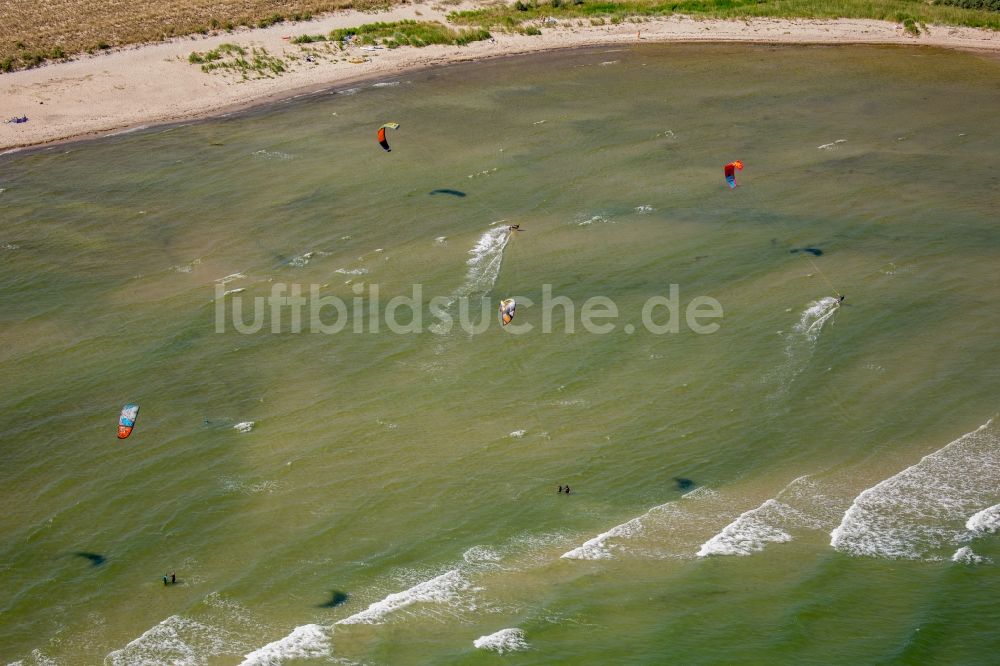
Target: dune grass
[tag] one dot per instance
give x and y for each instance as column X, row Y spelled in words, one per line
column 32, row 33
column 911, row 13
column 255, row 64
column 408, row 33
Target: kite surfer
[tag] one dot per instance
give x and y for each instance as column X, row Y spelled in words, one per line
column 514, row 227
column 841, row 299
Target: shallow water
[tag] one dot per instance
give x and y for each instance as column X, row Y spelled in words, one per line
column 391, row 498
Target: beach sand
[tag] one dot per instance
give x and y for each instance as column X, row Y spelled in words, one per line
column 149, row 84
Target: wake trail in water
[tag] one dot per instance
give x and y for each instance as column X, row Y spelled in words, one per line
column 944, row 499
column 484, row 269
column 800, row 343
column 484, row 265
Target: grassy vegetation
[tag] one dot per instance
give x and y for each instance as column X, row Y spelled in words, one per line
column 408, row 33
column 258, row 64
column 34, row 32
column 910, row 13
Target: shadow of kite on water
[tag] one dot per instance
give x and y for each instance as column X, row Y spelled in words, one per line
column 445, row 190
column 337, row 598
column 683, row 484
column 814, row 251
column 95, row 559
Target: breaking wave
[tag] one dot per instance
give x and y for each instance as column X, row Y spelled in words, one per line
column 923, row 508
column 505, row 640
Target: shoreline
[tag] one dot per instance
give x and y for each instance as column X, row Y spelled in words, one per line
column 152, row 85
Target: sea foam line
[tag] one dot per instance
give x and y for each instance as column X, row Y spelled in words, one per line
column 505, row 640
column 798, row 505
column 309, row 641
column 601, row 547
column 924, row 507
column 443, row 589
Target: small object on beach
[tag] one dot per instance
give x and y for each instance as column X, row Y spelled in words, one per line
column 17, row 120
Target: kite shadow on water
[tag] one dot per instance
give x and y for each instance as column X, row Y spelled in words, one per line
column 337, row 598
column 445, row 190
column 683, row 484
column 814, row 251
column 95, row 558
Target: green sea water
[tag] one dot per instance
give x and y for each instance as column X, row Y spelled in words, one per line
column 755, row 495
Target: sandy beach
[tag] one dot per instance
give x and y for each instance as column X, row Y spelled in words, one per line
column 148, row 84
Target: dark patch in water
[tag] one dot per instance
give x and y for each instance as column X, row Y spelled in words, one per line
column 445, row 190
column 683, row 484
column 815, row 251
column 337, row 598
column 95, row 559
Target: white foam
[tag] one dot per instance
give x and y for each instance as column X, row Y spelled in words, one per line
column 238, row 290
column 301, row 260
column 37, row 658
column 352, row 271
column 799, row 505
column 518, row 434
column 814, row 316
column 9, row 246
column 177, row 641
column 272, row 155
column 800, row 344
column 231, row 484
column 985, row 521
column 480, row 554
column 828, row 146
column 749, row 533
column 230, row 278
column 243, row 426
column 505, row 640
column 592, row 220
column 924, row 507
column 644, row 209
column 444, row 589
column 485, row 262
column 964, row 555
column 661, row 518
column 309, row 641
column 385, row 84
